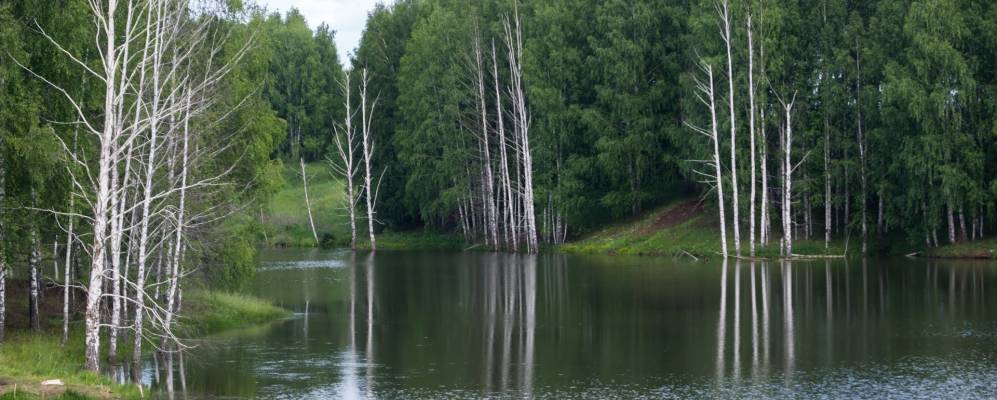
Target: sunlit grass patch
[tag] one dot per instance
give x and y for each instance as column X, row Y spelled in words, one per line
column 28, row 358
column 212, row 312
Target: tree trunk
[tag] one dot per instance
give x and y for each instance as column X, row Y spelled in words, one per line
column 308, row 203
column 861, row 143
column 33, row 261
column 962, row 224
column 346, row 148
column 67, row 276
column 514, row 41
column 827, row 184
column 510, row 221
column 726, row 33
column 765, row 179
column 368, row 150
column 707, row 89
column 951, row 221
column 787, row 199
column 491, row 237
column 3, row 246
column 751, row 134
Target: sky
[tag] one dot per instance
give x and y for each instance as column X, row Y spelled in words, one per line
column 346, row 17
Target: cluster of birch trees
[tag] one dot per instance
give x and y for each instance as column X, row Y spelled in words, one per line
column 499, row 205
column 715, row 173
column 159, row 68
column 862, row 134
column 456, row 123
column 347, row 163
column 147, row 123
column 838, row 121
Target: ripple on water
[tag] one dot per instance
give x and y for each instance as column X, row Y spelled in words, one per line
column 302, row 264
column 911, row 378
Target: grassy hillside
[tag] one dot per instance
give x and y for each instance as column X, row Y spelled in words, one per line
column 287, row 222
column 681, row 228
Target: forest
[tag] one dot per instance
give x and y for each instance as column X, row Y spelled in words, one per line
column 141, row 141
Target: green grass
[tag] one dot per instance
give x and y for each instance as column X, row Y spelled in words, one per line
column 28, row 358
column 697, row 235
column 981, row 249
column 416, row 240
column 212, row 312
column 287, row 222
column 287, row 226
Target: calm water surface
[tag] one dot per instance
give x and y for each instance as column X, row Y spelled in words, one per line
column 477, row 325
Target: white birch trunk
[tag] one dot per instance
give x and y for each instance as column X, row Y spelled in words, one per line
column 346, row 148
column 707, row 95
column 35, row 283
column 861, row 142
column 514, row 38
column 510, row 222
column 751, row 134
column 724, row 10
column 67, row 275
column 766, row 224
column 107, row 30
column 368, row 152
column 827, row 185
column 172, row 307
column 951, row 221
column 787, row 190
column 491, row 237
column 308, row 203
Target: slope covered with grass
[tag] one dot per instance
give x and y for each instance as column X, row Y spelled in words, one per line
column 681, row 228
column 287, row 225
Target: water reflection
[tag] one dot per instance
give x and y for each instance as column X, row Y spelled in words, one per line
column 508, row 306
column 484, row 325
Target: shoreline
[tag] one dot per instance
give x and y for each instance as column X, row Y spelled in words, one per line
column 28, row 358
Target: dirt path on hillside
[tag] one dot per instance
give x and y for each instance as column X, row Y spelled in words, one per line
column 674, row 216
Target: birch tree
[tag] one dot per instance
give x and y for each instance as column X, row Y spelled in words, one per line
column 346, row 166
column 514, row 45
column 367, row 141
column 488, row 181
column 723, row 10
column 787, row 180
column 751, row 133
column 308, row 203
column 707, row 96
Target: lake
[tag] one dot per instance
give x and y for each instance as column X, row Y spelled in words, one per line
column 412, row 325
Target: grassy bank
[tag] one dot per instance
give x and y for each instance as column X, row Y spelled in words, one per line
column 210, row 312
column 681, row 228
column 28, row 358
column 416, row 240
column 982, row 249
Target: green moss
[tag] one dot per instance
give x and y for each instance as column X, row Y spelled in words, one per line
column 212, row 312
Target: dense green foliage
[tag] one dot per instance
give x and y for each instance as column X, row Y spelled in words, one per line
column 278, row 102
column 899, row 94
